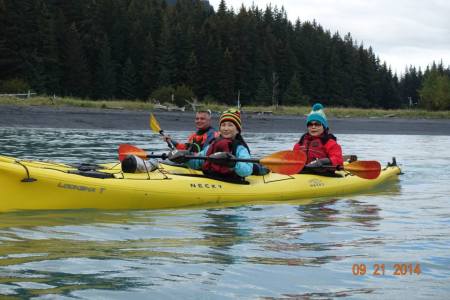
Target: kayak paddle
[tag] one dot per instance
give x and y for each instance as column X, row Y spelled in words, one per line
column 367, row 169
column 283, row 162
column 154, row 125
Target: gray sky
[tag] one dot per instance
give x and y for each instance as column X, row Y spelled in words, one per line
column 401, row 32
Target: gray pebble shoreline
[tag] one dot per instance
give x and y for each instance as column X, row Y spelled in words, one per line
column 116, row 119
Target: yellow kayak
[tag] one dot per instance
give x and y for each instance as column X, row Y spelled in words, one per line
column 38, row 185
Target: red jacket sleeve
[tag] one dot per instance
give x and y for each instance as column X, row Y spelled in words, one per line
column 334, row 152
column 181, row 146
column 297, row 147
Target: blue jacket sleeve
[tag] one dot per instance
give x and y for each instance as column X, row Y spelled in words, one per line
column 196, row 164
column 243, row 169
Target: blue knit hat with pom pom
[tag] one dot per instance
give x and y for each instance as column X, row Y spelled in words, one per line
column 317, row 114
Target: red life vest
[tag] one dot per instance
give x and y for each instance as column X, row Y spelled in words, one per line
column 197, row 140
column 314, row 147
column 221, row 144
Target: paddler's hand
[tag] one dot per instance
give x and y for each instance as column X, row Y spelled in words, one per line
column 260, row 170
column 223, row 158
column 318, row 163
column 166, row 138
column 178, row 156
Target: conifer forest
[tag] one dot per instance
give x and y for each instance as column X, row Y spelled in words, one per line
column 129, row 49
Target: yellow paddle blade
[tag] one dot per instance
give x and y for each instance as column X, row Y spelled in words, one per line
column 285, row 162
column 154, row 125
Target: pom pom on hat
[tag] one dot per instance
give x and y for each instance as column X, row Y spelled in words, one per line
column 317, row 114
column 232, row 115
column 317, row 107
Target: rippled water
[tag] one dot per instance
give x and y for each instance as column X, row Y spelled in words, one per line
column 282, row 251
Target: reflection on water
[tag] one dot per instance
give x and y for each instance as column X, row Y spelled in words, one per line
column 289, row 250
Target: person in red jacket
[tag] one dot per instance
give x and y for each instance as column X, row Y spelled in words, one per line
column 199, row 139
column 320, row 146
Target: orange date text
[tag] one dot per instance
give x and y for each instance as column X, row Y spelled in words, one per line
column 398, row 269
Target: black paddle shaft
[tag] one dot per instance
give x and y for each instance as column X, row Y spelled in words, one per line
column 164, row 156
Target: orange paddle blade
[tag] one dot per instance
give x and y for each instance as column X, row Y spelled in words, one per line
column 368, row 169
column 126, row 149
column 285, row 162
column 154, row 125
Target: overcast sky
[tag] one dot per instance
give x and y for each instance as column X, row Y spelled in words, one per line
column 401, row 32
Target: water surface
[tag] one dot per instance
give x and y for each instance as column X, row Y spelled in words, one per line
column 277, row 251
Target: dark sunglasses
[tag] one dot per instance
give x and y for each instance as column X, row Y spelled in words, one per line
column 316, row 124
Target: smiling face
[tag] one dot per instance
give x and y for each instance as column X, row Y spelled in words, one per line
column 202, row 120
column 315, row 128
column 228, row 130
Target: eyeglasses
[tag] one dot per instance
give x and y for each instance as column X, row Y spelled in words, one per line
column 313, row 124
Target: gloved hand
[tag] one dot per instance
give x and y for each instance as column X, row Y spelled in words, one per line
column 223, row 158
column 319, row 163
column 263, row 171
column 260, row 170
column 166, row 138
column 193, row 147
column 178, row 156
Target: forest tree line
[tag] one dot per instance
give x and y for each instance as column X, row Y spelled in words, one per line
column 133, row 49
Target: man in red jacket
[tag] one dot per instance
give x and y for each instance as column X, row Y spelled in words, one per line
column 319, row 145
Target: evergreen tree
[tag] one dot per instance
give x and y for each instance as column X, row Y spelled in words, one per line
column 293, row 94
column 128, row 85
column 214, row 69
column 228, row 94
column 166, row 55
column 17, row 40
column 118, row 33
column 242, row 52
column 263, row 93
column 285, row 65
column 105, row 76
column 409, row 86
column 182, row 50
column 334, row 72
column 149, row 66
column 349, row 76
column 51, row 65
column 76, row 75
column 194, row 74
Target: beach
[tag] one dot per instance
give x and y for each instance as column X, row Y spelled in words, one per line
column 116, row 119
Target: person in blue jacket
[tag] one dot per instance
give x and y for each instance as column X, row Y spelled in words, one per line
column 223, row 151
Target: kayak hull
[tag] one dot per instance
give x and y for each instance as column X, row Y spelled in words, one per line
column 35, row 185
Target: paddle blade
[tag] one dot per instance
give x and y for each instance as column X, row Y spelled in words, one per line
column 368, row 169
column 154, row 125
column 125, row 150
column 285, row 162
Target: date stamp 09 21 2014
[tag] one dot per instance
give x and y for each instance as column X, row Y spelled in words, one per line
column 399, row 269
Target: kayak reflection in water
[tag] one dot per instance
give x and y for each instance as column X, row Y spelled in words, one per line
column 228, row 146
column 320, row 146
column 199, row 139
